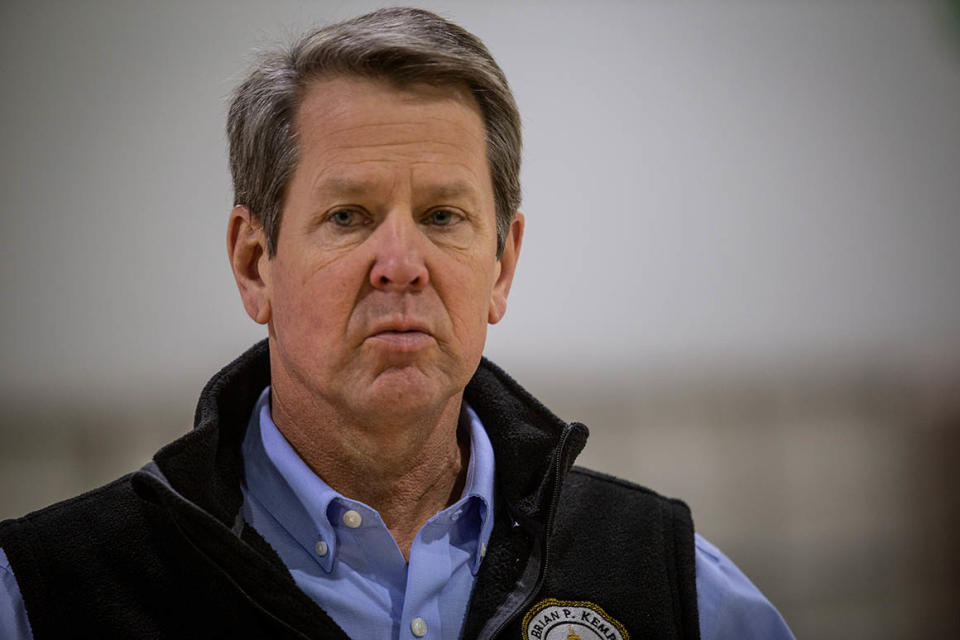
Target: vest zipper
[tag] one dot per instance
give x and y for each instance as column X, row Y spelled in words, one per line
column 551, row 514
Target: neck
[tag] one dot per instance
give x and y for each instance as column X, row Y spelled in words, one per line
column 408, row 467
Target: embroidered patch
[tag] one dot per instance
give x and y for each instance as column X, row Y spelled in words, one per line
column 553, row 619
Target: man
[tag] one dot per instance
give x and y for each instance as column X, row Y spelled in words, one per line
column 363, row 473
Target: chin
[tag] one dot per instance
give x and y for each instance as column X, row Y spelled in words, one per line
column 407, row 389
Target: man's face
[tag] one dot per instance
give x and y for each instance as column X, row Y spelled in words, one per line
column 386, row 273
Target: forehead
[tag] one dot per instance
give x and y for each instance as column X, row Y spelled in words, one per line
column 349, row 126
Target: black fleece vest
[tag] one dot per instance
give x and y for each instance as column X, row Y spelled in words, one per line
column 162, row 553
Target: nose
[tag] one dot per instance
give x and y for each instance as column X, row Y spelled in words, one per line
column 399, row 260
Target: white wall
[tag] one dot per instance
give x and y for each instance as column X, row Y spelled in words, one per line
column 707, row 184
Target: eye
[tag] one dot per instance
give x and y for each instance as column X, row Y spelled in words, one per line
column 442, row 217
column 346, row 218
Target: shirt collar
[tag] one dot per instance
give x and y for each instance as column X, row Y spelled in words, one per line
column 285, row 486
column 303, row 504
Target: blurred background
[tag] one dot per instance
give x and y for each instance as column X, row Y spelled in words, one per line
column 740, row 270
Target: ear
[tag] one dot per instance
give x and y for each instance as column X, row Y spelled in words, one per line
column 508, row 266
column 249, row 260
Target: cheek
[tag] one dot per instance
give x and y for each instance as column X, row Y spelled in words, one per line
column 287, row 309
column 472, row 302
column 303, row 302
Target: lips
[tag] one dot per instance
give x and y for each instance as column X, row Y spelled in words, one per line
column 405, row 335
column 401, row 326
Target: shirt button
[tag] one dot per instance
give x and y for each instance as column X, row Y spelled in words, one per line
column 419, row 627
column 321, row 548
column 352, row 519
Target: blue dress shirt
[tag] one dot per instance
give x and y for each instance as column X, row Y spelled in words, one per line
column 341, row 553
column 352, row 567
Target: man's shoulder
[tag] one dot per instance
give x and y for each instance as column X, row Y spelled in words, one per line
column 100, row 543
column 588, row 483
column 597, row 506
column 95, row 515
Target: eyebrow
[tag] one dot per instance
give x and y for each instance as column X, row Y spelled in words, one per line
column 344, row 186
column 451, row 190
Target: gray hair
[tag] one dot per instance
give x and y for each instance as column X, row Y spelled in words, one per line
column 401, row 45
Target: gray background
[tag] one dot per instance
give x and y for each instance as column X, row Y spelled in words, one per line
column 740, row 267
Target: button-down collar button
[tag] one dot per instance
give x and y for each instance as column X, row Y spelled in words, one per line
column 352, row 519
column 456, row 515
column 419, row 627
column 321, row 548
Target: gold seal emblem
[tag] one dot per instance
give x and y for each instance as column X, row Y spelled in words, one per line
column 553, row 619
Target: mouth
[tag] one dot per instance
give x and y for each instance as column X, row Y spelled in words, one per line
column 402, row 336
